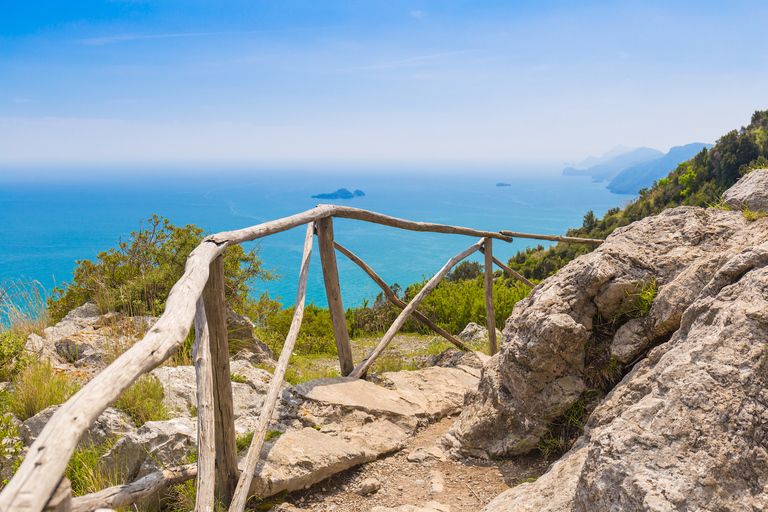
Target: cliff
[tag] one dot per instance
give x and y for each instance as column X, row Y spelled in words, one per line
column 686, row 428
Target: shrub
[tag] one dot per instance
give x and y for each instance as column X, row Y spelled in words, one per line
column 136, row 277
column 11, row 354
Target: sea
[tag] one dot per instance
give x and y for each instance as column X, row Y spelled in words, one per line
column 48, row 224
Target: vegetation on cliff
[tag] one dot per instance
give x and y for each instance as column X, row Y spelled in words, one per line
column 699, row 181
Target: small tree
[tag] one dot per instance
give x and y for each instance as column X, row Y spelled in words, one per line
column 136, row 277
column 465, row 271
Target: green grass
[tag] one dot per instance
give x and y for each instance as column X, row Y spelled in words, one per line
column 143, row 401
column 568, row 426
column 751, row 216
column 643, row 297
column 236, row 377
column 86, row 474
column 36, row 387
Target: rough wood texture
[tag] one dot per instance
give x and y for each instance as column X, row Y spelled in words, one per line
column 128, row 494
column 206, row 445
column 39, row 474
column 328, row 210
column 513, row 273
column 244, row 485
column 271, row 227
column 554, row 238
column 223, row 407
column 490, row 315
column 400, row 320
column 61, row 500
column 377, row 218
column 396, row 301
column 333, row 293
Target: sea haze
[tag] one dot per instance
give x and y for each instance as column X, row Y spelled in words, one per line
column 46, row 228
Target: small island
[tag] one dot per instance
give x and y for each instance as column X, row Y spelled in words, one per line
column 342, row 193
column 503, row 184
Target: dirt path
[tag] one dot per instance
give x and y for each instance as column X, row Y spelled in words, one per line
column 466, row 485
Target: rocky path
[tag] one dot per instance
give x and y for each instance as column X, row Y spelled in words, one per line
column 415, row 478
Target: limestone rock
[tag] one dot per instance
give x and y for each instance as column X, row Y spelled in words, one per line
column 180, row 392
column 155, row 445
column 687, row 429
column 477, row 334
column 455, row 358
column 539, row 371
column 240, row 335
column 43, row 349
column 751, row 192
column 436, row 482
column 110, row 423
column 368, row 486
column 423, row 453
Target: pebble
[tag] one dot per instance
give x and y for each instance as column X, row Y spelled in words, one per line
column 369, row 486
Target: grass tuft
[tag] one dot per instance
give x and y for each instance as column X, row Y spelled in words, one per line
column 143, row 401
column 36, row 387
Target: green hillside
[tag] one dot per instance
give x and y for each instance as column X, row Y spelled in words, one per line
column 698, row 182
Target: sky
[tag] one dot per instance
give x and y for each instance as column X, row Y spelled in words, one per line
column 417, row 83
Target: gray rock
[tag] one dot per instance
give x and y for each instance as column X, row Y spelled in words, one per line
column 436, row 482
column 157, row 444
column 423, row 453
column 455, row 358
column 368, row 486
column 110, row 424
column 180, row 392
column 751, row 192
column 687, row 429
column 240, row 335
column 538, row 372
column 359, row 422
column 477, row 334
column 43, row 349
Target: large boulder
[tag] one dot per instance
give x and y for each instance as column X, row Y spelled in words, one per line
column 749, row 192
column 687, row 428
column 541, row 369
column 110, row 424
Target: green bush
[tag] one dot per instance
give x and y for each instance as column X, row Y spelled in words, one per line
column 11, row 354
column 136, row 277
column 451, row 305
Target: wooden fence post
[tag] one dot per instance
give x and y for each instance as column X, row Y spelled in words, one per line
column 490, row 315
column 276, row 386
column 206, row 444
column 224, row 410
column 333, row 293
column 61, row 500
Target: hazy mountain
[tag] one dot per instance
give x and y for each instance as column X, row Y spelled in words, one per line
column 612, row 167
column 642, row 175
column 591, row 161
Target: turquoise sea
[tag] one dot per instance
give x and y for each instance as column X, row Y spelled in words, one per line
column 46, row 226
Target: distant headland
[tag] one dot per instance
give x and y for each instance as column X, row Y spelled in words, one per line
column 503, row 184
column 342, row 193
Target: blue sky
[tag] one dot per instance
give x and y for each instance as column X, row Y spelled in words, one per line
column 310, row 83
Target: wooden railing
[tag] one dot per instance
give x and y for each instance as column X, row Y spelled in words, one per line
column 198, row 297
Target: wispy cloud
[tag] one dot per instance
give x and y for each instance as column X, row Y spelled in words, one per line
column 418, row 14
column 95, row 41
column 410, row 62
column 23, row 100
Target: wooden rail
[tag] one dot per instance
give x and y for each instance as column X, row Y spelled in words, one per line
column 199, row 296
